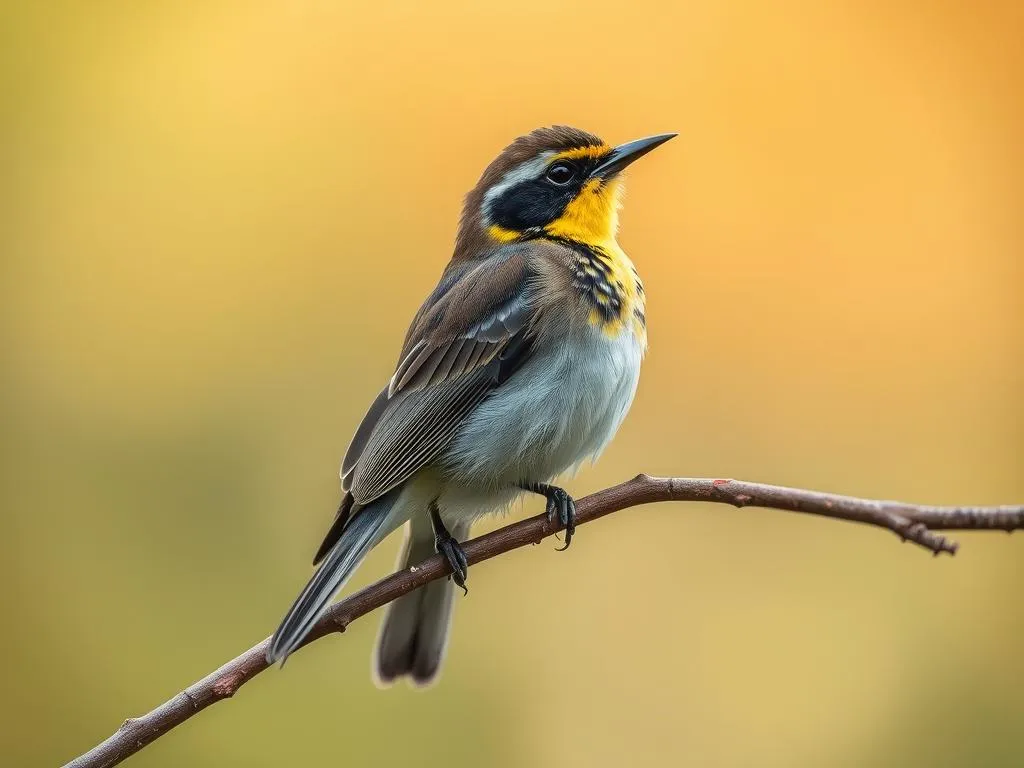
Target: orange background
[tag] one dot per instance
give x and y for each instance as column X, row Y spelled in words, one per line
column 221, row 217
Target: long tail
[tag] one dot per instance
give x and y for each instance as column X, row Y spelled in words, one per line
column 361, row 534
column 414, row 633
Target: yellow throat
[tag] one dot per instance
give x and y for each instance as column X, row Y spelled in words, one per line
column 592, row 220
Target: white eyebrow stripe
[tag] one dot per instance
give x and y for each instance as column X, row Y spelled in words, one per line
column 531, row 169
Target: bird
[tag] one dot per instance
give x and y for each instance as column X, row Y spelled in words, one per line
column 519, row 366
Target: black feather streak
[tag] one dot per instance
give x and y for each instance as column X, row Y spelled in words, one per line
column 591, row 272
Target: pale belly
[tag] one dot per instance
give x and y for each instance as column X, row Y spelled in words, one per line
column 561, row 408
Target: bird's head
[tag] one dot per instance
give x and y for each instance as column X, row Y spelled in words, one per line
column 555, row 182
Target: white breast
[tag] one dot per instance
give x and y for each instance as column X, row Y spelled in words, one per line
column 563, row 406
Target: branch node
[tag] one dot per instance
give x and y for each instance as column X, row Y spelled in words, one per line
column 919, row 533
column 227, row 686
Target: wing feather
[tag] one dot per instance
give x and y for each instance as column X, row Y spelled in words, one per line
column 478, row 356
column 409, row 437
column 446, row 365
column 465, row 340
column 461, row 362
column 408, row 366
column 360, row 438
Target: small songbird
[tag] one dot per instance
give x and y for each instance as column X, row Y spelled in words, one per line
column 520, row 365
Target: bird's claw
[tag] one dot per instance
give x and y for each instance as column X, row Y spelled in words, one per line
column 452, row 551
column 561, row 509
column 448, row 547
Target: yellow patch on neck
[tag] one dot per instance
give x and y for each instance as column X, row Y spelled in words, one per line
column 592, row 216
column 503, row 235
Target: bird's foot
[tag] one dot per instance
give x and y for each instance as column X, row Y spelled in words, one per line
column 448, row 546
column 561, row 508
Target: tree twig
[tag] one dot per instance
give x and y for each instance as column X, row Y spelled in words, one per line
column 911, row 522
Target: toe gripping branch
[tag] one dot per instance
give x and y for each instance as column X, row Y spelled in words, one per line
column 448, row 546
column 561, row 508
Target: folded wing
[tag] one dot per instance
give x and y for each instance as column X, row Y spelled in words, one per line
column 469, row 336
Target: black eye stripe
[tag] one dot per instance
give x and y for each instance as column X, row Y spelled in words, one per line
column 530, row 204
column 533, row 203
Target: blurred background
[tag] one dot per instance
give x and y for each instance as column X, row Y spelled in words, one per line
column 219, row 219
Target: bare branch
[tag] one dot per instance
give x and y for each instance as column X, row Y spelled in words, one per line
column 908, row 521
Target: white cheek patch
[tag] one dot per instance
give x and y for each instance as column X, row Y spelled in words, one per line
column 531, row 169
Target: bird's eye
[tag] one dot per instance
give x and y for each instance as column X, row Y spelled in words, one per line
column 561, row 174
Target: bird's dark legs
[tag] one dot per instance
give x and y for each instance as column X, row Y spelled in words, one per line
column 561, row 507
column 448, row 546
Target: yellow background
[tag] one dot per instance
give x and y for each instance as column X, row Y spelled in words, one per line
column 218, row 219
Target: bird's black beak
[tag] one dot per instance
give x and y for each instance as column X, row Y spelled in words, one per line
column 624, row 154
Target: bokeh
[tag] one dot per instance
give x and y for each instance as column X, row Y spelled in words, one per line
column 218, row 219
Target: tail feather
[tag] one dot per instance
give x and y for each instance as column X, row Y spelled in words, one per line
column 362, row 533
column 414, row 633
